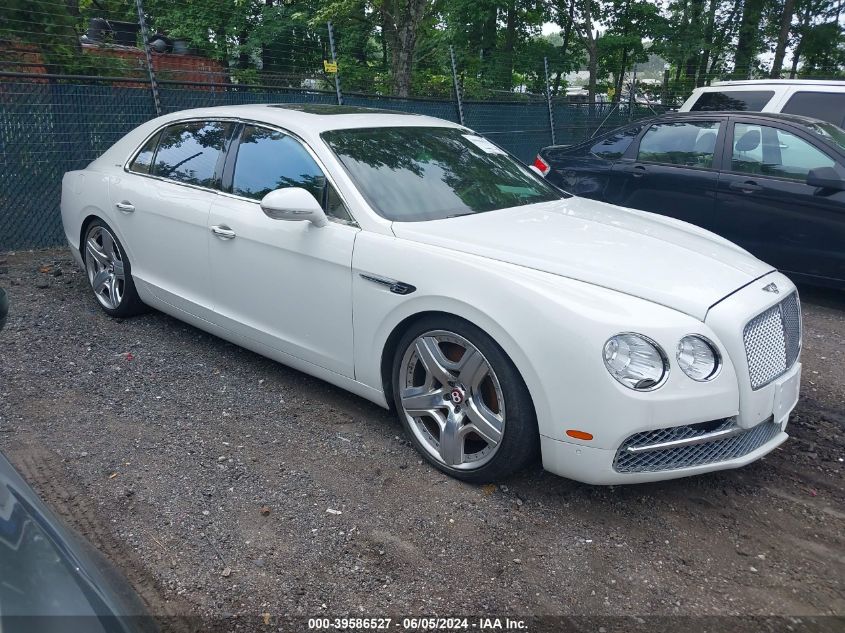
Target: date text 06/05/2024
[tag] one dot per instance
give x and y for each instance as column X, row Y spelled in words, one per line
column 481, row 624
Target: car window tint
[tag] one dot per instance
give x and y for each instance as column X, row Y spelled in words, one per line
column 144, row 159
column 188, row 152
column 768, row 151
column 828, row 106
column 268, row 160
column 612, row 147
column 743, row 100
column 680, row 143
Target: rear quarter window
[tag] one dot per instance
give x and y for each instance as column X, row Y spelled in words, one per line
column 827, row 106
column 741, row 100
column 144, row 158
column 614, row 145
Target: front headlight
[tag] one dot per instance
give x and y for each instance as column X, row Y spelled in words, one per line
column 698, row 358
column 636, row 361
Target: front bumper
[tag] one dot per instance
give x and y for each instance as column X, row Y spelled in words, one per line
column 598, row 466
column 595, row 465
column 655, row 436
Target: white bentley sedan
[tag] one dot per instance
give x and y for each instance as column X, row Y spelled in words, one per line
column 416, row 264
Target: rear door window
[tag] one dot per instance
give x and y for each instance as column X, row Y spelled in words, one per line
column 742, row 100
column 189, row 152
column 687, row 143
column 828, row 106
column 613, row 146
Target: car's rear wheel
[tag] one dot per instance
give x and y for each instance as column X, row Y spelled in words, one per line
column 109, row 272
column 463, row 401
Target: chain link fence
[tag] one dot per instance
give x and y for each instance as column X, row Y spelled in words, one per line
column 70, row 89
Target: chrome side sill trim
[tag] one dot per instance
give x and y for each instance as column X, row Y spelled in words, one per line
column 690, row 441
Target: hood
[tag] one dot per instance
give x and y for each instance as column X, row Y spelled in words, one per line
column 653, row 257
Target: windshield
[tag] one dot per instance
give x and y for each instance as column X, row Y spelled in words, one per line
column 828, row 131
column 410, row 174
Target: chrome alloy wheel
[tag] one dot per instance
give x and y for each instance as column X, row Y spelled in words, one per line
column 452, row 400
column 104, row 266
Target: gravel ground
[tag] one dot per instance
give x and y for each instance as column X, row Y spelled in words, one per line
column 226, row 485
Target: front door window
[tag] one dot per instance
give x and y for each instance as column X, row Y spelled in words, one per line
column 767, row 151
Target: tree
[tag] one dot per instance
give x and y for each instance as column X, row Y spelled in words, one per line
column 819, row 38
column 622, row 45
column 567, row 55
column 748, row 45
column 783, row 37
column 588, row 12
column 401, row 20
column 697, row 38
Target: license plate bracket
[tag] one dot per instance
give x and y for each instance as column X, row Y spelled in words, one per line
column 786, row 394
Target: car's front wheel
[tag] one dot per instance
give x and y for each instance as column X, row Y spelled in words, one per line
column 462, row 400
column 109, row 272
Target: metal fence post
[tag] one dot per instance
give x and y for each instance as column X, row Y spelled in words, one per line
column 458, row 101
column 549, row 100
column 632, row 94
column 145, row 36
column 334, row 61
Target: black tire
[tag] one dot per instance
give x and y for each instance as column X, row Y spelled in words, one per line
column 520, row 441
column 130, row 303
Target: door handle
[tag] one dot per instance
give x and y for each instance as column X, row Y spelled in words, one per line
column 223, row 232
column 126, row 207
column 745, row 187
column 638, row 171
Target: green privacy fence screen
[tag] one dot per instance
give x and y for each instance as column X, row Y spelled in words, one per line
column 50, row 125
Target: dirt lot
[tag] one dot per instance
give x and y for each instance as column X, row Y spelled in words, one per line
column 162, row 444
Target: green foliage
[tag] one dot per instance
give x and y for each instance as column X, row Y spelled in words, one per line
column 403, row 46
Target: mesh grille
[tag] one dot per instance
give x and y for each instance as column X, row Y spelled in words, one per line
column 717, row 450
column 772, row 341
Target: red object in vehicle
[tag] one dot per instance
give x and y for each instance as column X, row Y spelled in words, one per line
column 542, row 165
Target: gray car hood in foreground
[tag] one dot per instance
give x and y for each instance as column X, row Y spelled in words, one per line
column 659, row 259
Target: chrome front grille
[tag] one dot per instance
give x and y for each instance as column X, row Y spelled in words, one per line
column 772, row 341
column 690, row 445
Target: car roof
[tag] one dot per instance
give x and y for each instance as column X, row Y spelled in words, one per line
column 718, row 114
column 771, row 116
column 312, row 118
column 760, row 83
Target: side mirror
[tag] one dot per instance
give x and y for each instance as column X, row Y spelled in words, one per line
column 293, row 203
column 826, row 177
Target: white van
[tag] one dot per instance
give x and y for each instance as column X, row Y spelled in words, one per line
column 819, row 99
